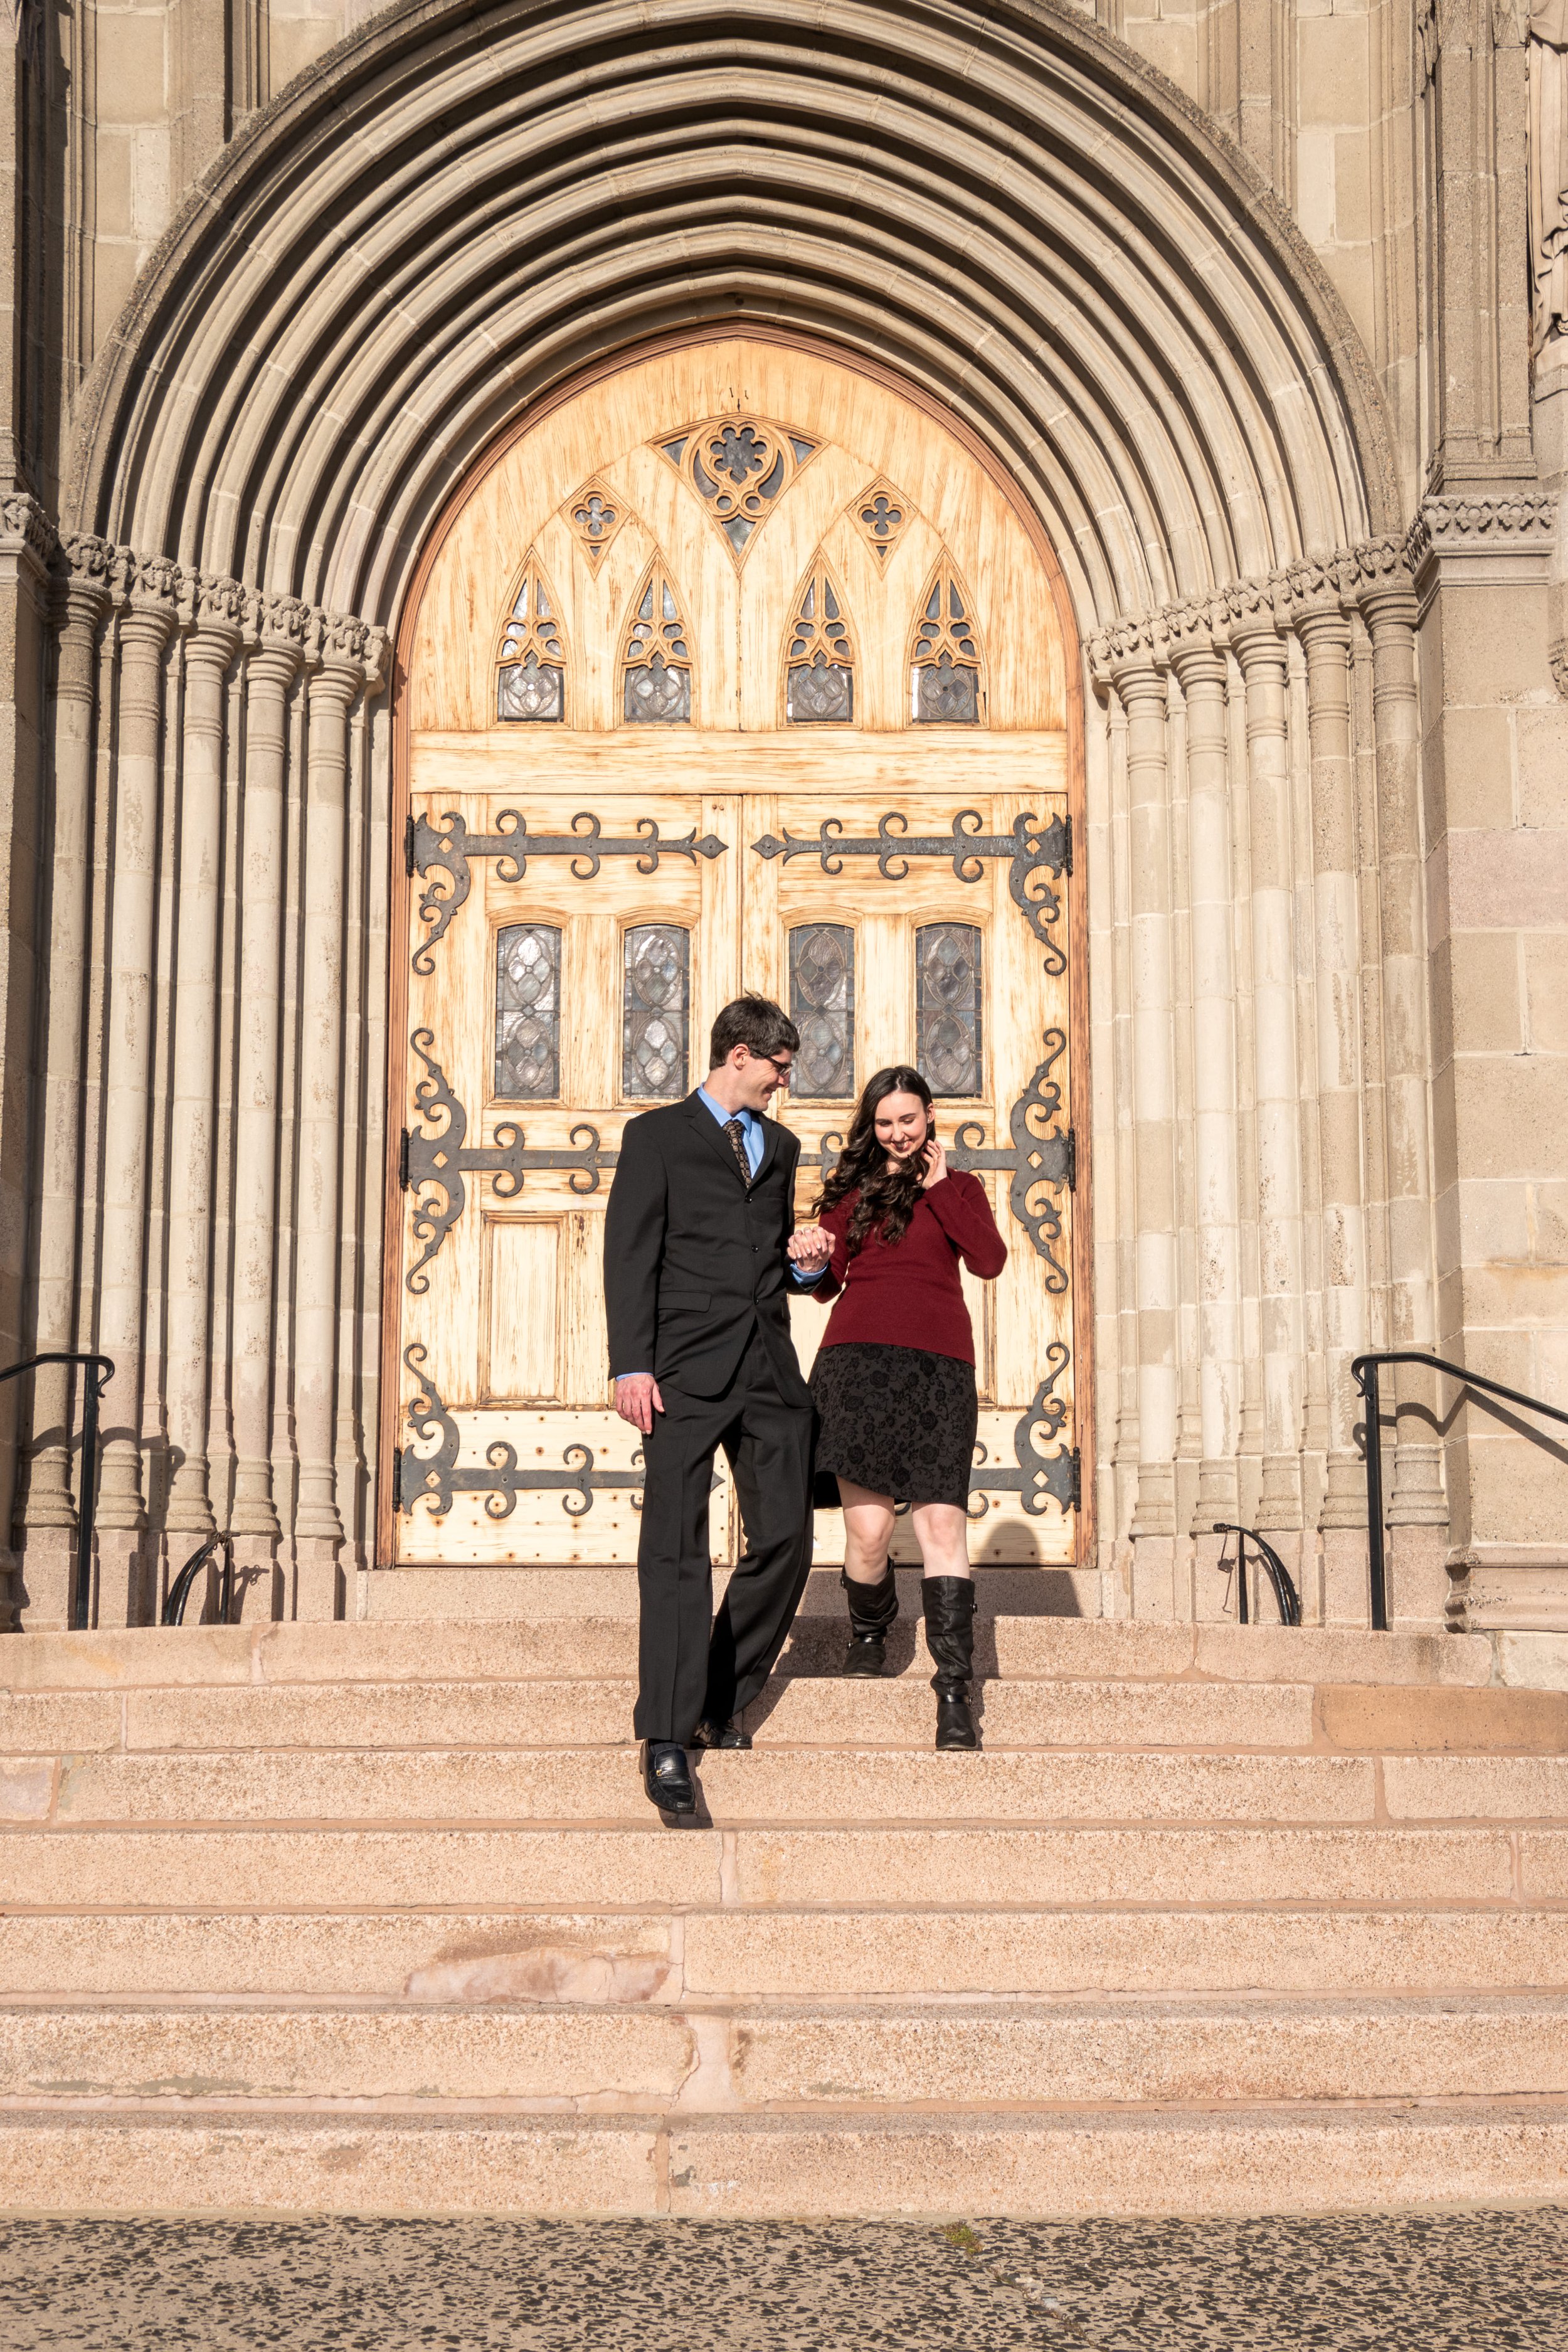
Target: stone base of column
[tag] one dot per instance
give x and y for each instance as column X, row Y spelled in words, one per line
column 1154, row 1579
column 1416, row 1566
column 1347, row 1595
column 259, row 1581
column 40, row 1582
column 1214, row 1594
column 125, row 1569
column 318, row 1580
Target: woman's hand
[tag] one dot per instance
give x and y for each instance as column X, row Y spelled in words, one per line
column 810, row 1247
column 936, row 1163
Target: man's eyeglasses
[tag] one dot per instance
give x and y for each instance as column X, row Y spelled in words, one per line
column 783, row 1063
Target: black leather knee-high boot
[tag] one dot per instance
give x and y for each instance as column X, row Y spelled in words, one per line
column 949, row 1603
column 872, row 1608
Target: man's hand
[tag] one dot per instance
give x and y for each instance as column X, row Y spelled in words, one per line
column 936, row 1164
column 810, row 1247
column 637, row 1399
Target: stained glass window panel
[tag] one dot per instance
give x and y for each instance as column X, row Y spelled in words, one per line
column 819, row 678
column 531, row 683
column 944, row 657
column 947, row 1008
column 822, row 1006
column 657, row 662
column 654, row 1013
column 527, row 1013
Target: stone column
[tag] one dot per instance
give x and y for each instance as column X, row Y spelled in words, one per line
column 1202, row 672
column 48, row 1514
column 1325, row 634
column 271, row 671
column 1418, row 1507
column 334, row 688
column 144, row 630
column 1141, row 687
column 1262, row 656
column 210, row 651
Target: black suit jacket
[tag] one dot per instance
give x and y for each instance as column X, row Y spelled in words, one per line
column 693, row 1261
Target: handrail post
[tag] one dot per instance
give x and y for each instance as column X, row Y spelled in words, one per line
column 87, row 1508
column 1367, row 1373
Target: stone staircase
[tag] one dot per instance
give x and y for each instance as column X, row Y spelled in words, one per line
column 374, row 1917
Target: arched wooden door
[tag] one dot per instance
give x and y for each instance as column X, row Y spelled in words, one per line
column 738, row 669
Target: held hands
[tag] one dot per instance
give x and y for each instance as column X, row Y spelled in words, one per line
column 637, row 1399
column 810, row 1248
column 936, row 1163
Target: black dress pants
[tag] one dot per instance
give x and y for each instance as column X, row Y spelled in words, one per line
column 686, row 1672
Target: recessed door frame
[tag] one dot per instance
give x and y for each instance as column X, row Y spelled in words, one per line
column 399, row 892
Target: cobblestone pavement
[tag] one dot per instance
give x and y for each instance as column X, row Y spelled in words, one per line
column 1431, row 2282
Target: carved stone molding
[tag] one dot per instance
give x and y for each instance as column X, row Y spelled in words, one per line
column 25, row 530
column 1474, row 540
column 1352, row 579
column 205, row 601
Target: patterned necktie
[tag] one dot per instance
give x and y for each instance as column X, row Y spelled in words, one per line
column 737, row 1135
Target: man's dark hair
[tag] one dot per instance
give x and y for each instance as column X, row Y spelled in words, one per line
column 756, row 1022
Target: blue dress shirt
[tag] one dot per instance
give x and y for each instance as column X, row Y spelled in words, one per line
column 754, row 1138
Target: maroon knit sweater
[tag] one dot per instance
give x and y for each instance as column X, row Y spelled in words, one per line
column 911, row 1295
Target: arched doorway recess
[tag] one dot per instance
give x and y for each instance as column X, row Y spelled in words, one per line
column 429, row 235
column 737, row 667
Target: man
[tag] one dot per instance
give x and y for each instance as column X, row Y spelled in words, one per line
column 697, row 1284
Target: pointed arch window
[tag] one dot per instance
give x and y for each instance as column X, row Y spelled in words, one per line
column 655, row 655
column 530, row 667
column 819, row 656
column 946, row 670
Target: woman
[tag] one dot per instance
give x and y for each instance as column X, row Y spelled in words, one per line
column 894, row 1378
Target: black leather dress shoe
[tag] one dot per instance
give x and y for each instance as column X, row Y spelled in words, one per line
column 715, row 1734
column 667, row 1776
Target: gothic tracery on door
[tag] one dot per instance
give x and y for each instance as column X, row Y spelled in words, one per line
column 737, row 670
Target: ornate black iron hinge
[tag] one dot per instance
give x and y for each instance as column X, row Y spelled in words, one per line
column 1034, row 848
column 1040, row 1478
column 435, row 1165
column 434, row 1479
column 446, row 851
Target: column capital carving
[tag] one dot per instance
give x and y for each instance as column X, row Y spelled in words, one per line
column 27, row 532
column 277, row 630
column 212, row 616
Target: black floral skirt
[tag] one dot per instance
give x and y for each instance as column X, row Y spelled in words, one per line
column 897, row 1420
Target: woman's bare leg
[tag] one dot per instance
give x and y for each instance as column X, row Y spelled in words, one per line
column 941, row 1531
column 869, row 1522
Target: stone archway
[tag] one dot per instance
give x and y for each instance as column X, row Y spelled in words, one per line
column 430, row 232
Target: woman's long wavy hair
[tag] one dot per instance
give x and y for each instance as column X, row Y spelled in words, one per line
column 888, row 1195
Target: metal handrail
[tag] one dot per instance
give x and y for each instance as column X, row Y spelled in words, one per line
column 1363, row 1371
column 1285, row 1592
column 179, row 1592
column 100, row 1372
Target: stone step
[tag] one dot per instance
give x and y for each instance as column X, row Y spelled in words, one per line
column 644, row 1867
column 1047, row 2163
column 710, row 2058
column 787, row 1787
column 797, row 1711
column 779, row 1954
column 600, row 1647
column 805, row 1711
